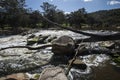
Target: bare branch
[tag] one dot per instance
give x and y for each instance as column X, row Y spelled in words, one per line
column 28, row 47
column 98, row 37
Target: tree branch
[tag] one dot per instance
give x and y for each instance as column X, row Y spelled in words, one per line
column 28, row 47
column 115, row 36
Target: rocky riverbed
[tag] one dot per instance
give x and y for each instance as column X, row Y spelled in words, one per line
column 30, row 62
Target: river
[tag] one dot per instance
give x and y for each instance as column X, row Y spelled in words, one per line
column 99, row 66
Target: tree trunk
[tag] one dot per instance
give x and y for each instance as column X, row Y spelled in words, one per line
column 94, row 37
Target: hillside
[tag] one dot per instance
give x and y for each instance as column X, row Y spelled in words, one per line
column 106, row 18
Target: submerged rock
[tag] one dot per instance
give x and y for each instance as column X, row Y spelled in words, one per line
column 55, row 73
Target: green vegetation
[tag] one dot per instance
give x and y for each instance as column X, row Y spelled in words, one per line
column 14, row 15
column 105, row 19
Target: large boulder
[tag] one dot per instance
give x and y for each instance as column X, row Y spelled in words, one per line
column 63, row 45
column 55, row 73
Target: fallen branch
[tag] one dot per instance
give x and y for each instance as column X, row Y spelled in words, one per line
column 96, row 39
column 115, row 36
column 28, row 47
column 80, row 48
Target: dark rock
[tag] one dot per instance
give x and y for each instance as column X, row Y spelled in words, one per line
column 63, row 45
column 31, row 36
column 60, row 59
column 51, row 39
column 42, row 39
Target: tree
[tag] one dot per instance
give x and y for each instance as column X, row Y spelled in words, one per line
column 78, row 17
column 35, row 18
column 60, row 17
column 106, row 18
column 14, row 11
column 49, row 11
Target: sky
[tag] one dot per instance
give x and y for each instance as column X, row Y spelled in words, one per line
column 73, row 5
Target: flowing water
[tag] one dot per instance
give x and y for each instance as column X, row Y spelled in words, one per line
column 99, row 66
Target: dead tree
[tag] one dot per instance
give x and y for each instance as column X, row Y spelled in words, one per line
column 93, row 37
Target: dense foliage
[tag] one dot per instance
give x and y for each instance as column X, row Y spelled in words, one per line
column 14, row 14
column 105, row 18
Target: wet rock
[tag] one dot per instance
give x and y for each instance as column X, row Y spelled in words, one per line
column 55, row 73
column 116, row 59
column 117, row 45
column 32, row 41
column 63, row 45
column 78, row 64
column 42, row 39
column 107, row 44
column 82, row 49
column 31, row 36
column 111, row 44
column 60, row 59
column 50, row 39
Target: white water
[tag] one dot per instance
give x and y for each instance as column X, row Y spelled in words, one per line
column 90, row 60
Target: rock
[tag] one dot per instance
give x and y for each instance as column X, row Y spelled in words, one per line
column 111, row 45
column 31, row 36
column 17, row 76
column 50, row 39
column 63, row 45
column 117, row 60
column 42, row 39
column 82, row 49
column 32, row 41
column 36, row 39
column 2, row 78
column 55, row 73
column 107, row 44
column 78, row 64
